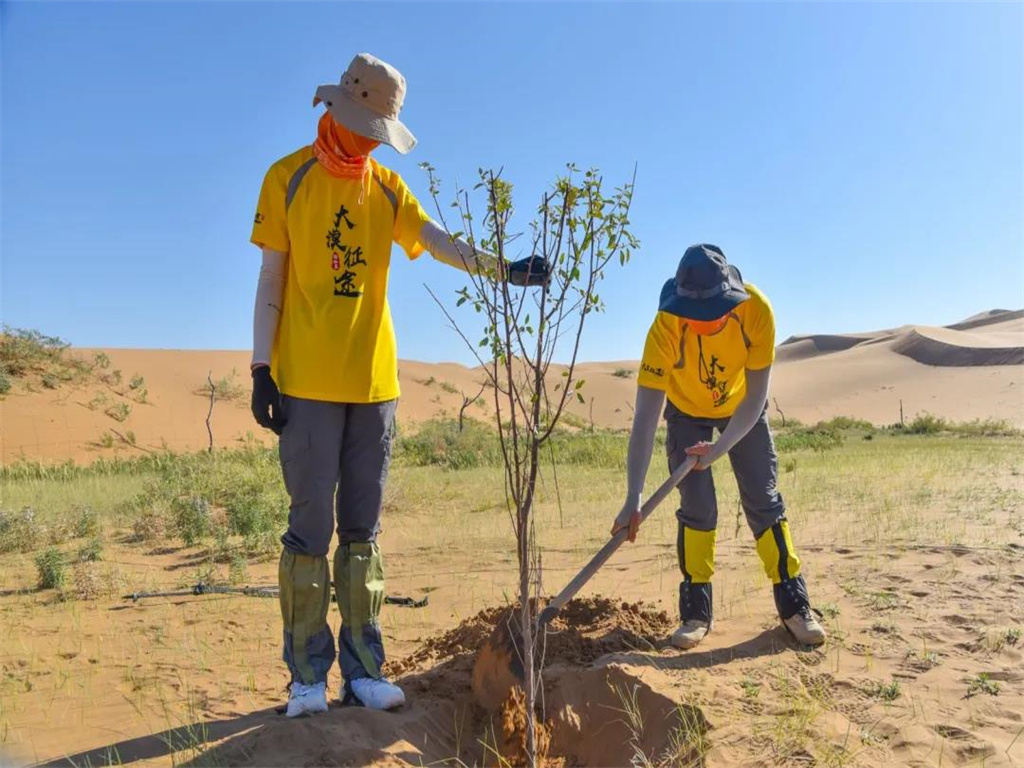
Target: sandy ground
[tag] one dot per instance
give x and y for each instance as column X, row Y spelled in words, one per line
column 972, row 370
column 913, row 549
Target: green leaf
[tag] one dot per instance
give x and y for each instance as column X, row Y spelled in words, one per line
column 580, row 398
column 580, row 383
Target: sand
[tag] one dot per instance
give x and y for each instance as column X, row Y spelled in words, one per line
column 155, row 681
column 969, row 370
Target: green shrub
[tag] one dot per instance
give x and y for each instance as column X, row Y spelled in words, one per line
column 22, row 351
column 246, row 484
column 92, row 551
column 191, row 519
column 887, row 692
column 440, row 443
column 25, row 353
column 984, row 428
column 262, row 544
column 119, row 411
column 807, row 439
column 149, row 523
column 20, row 531
column 51, row 568
column 839, row 423
column 926, row 424
column 225, row 388
column 238, row 570
column 982, row 683
column 111, row 378
column 592, row 449
column 85, row 521
column 5, row 381
column 623, row 373
column 137, row 382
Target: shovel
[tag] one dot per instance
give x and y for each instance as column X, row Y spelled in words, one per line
column 499, row 665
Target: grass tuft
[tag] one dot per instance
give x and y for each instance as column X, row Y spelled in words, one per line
column 51, row 568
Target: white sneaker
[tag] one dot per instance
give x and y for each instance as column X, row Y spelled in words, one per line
column 805, row 628
column 377, row 694
column 689, row 634
column 307, row 699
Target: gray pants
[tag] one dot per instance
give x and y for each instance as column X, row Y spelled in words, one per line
column 755, row 465
column 335, row 459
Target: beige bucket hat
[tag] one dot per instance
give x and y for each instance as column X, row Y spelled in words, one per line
column 367, row 101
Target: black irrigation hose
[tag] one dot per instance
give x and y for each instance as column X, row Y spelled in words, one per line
column 203, row 588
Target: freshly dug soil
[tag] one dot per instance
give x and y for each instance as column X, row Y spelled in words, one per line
column 582, row 631
column 441, row 720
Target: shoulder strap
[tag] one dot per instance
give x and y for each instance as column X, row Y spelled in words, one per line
column 746, row 339
column 681, row 362
column 302, row 170
column 295, row 180
column 391, row 196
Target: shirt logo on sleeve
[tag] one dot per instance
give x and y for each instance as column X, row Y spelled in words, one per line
column 258, row 219
column 652, row 370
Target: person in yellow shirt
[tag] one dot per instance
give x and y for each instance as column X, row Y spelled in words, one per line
column 711, row 349
column 325, row 368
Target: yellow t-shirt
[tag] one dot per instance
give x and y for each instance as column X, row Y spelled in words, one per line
column 335, row 340
column 705, row 376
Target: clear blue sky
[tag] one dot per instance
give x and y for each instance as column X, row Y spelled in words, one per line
column 861, row 163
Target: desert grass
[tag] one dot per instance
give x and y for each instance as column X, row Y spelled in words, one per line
column 84, row 669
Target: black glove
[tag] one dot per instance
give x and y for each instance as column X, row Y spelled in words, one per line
column 266, row 400
column 529, row 272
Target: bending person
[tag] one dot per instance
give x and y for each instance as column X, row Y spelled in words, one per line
column 325, row 368
column 711, row 348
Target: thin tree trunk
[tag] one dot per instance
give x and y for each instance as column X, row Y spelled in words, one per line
column 209, row 415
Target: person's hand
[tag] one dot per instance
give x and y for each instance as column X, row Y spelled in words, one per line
column 530, row 272
column 266, row 400
column 705, row 454
column 629, row 518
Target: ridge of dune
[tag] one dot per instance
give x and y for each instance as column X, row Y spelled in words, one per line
column 804, row 347
column 987, row 318
column 945, row 347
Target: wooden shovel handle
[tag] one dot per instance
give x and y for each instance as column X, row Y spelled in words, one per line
column 614, row 543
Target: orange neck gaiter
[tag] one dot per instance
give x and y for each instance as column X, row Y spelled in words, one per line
column 342, row 153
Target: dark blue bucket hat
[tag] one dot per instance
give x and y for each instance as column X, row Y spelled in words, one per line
column 706, row 286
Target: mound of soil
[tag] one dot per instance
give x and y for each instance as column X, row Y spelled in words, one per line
column 584, row 630
column 441, row 722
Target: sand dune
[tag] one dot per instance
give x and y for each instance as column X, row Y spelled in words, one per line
column 946, row 347
column 805, row 347
column 968, row 370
